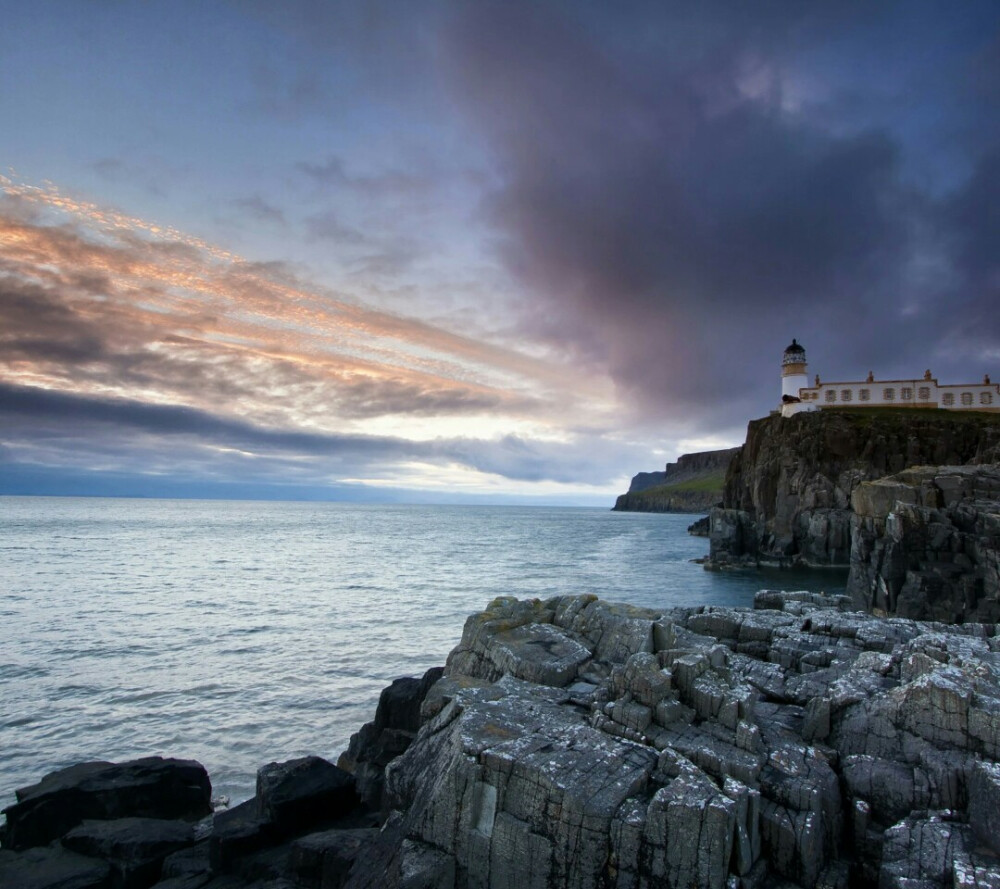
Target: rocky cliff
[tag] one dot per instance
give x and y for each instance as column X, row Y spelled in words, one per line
column 787, row 495
column 581, row 744
column 925, row 543
column 693, row 484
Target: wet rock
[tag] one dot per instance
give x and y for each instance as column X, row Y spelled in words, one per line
column 52, row 868
column 144, row 788
column 238, row 832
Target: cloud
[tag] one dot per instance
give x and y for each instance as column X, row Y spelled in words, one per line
column 256, row 208
column 97, row 303
column 680, row 208
column 125, row 346
column 60, row 429
column 328, row 227
column 331, row 173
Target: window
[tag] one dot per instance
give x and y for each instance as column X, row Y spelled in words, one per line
column 864, row 394
column 906, row 393
column 985, row 398
column 831, row 395
column 888, row 394
column 967, row 398
column 948, row 398
column 924, row 393
column 845, row 394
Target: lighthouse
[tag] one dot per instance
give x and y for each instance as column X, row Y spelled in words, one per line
column 793, row 380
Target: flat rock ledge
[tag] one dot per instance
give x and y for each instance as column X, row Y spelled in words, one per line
column 579, row 743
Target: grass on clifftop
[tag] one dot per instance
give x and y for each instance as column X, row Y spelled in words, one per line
column 912, row 412
column 706, row 484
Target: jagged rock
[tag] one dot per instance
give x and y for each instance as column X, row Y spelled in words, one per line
column 920, row 852
column 397, row 719
column 292, row 797
column 135, row 847
column 237, row 832
column 708, row 747
column 800, row 746
column 190, row 862
column 700, row 528
column 146, row 788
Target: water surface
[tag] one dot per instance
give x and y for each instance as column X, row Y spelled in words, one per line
column 237, row 633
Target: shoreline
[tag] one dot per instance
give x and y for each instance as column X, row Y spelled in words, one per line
column 697, row 702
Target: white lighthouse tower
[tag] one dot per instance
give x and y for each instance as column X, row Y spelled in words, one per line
column 793, row 380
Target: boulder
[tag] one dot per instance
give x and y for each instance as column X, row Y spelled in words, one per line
column 144, row 788
column 134, row 847
column 303, row 792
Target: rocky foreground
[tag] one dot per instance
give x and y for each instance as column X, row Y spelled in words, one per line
column 579, row 743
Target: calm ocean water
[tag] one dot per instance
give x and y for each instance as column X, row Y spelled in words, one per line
column 238, row 633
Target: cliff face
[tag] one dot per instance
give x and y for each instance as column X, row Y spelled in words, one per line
column 925, row 544
column 692, row 484
column 787, row 495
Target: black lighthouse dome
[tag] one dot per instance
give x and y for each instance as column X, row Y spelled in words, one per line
column 794, row 355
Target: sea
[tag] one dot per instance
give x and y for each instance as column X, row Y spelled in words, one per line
column 240, row 633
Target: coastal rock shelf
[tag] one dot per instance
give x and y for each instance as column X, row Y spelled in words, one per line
column 579, row 743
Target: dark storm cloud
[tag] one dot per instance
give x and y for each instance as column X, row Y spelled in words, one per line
column 670, row 196
column 44, row 427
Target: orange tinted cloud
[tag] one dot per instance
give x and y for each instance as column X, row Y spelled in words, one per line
column 93, row 301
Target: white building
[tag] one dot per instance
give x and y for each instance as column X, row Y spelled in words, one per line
column 919, row 393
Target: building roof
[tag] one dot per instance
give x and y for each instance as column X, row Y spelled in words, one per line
column 795, row 347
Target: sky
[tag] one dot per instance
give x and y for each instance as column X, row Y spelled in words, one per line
column 473, row 251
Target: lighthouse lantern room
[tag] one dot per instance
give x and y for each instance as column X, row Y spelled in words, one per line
column 793, row 380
